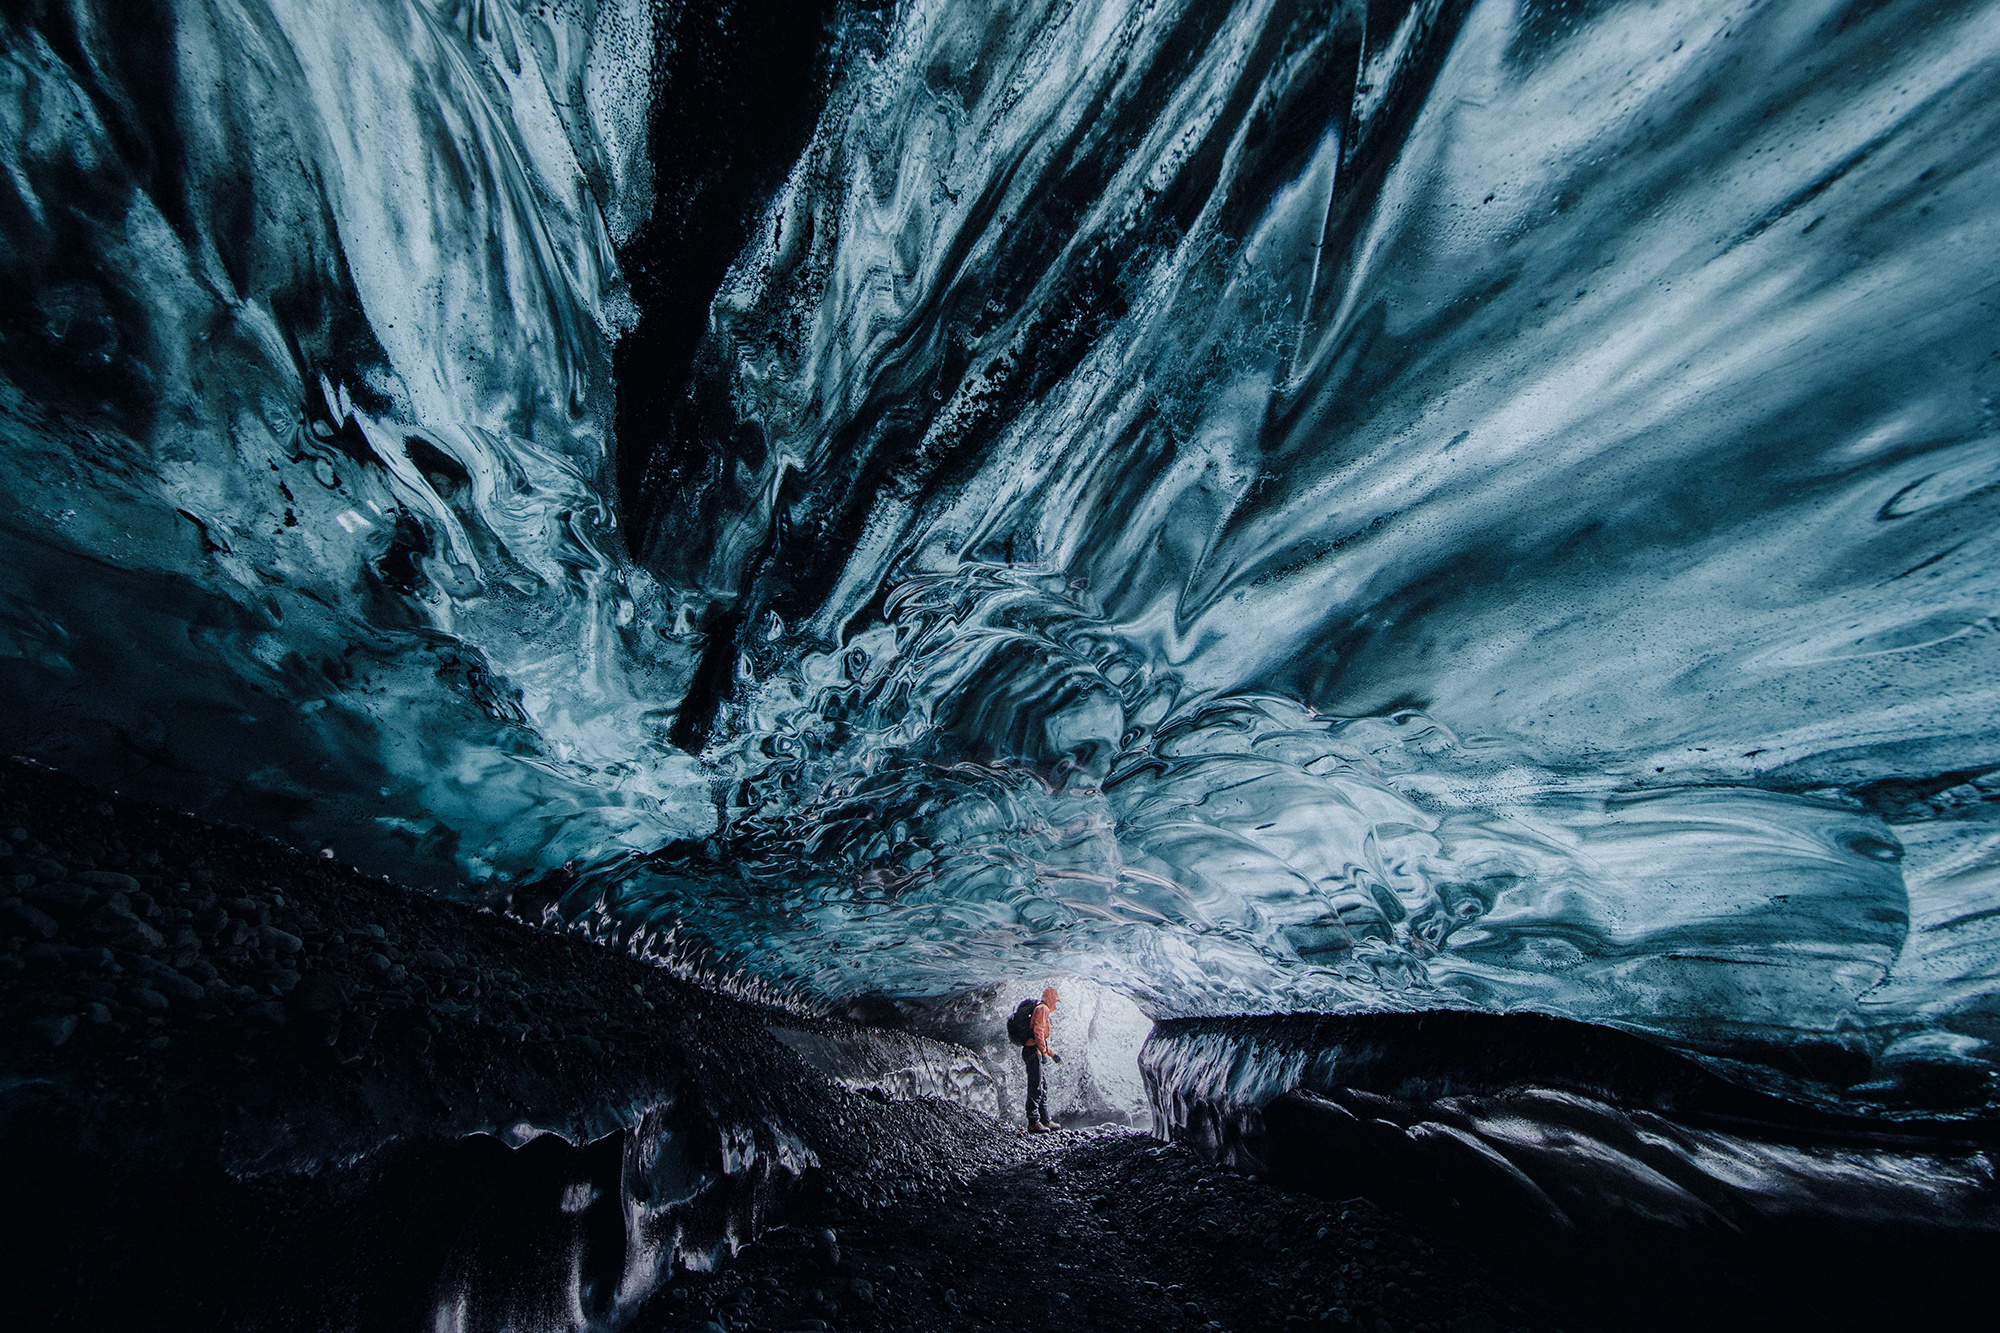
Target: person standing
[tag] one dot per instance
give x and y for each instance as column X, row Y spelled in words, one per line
column 1032, row 1054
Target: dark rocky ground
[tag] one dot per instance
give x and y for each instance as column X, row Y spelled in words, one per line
column 208, row 994
column 1096, row 1229
column 242, row 1086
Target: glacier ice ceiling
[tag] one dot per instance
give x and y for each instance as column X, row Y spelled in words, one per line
column 1263, row 506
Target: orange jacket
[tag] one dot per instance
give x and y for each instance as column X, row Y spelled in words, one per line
column 1040, row 1041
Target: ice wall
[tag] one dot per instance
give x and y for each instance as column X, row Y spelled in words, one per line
column 1289, row 506
column 1258, row 505
column 305, row 401
column 1625, row 1180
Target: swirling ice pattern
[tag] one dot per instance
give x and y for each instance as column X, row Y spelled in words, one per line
column 1471, row 457
column 1266, row 505
column 306, row 403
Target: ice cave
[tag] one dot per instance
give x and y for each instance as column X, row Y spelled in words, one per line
column 601, row 591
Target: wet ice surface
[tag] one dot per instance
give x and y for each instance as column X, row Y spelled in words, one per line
column 1261, row 506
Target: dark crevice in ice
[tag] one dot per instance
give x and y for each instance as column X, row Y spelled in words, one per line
column 737, row 87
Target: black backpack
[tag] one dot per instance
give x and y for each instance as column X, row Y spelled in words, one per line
column 1021, row 1023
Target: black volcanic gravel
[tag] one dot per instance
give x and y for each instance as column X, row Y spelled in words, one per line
column 201, row 991
column 195, row 979
column 1100, row 1229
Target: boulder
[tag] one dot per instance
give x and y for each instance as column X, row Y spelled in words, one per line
column 122, row 930
column 19, row 918
column 111, row 881
column 272, row 940
column 177, row 987
column 65, row 900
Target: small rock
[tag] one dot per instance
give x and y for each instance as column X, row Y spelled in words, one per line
column 177, row 987
column 864, row 1290
column 436, row 960
column 63, row 900
column 52, row 1030
column 147, row 998
column 273, row 940
column 99, row 1012
column 828, row 1245
column 18, row 918
column 108, row 880
column 122, row 930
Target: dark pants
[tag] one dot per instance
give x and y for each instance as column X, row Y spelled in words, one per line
column 1038, row 1096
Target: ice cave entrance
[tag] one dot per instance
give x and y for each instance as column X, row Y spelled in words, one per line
column 1098, row 1032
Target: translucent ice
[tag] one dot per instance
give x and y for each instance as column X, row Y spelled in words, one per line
column 1259, row 505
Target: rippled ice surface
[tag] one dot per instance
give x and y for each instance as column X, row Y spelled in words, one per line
column 1259, row 505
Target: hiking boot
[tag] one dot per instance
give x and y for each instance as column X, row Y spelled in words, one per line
column 1049, row 1128
column 1037, row 1127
